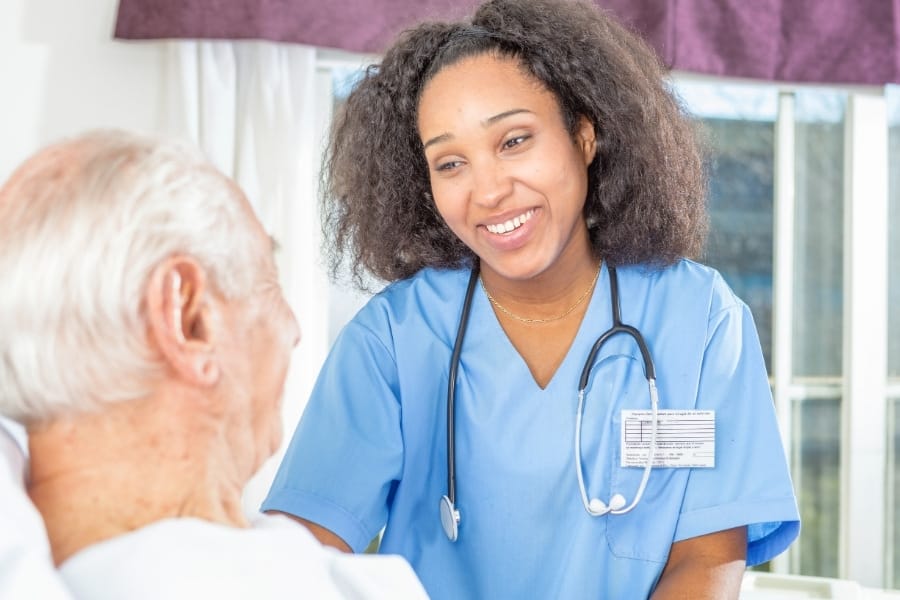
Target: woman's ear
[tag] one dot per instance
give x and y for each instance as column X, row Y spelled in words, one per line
column 586, row 138
column 180, row 319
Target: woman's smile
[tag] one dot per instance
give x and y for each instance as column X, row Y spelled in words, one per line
column 511, row 224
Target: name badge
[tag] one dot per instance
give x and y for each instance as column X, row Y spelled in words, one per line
column 684, row 438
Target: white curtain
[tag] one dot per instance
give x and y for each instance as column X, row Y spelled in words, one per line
column 259, row 110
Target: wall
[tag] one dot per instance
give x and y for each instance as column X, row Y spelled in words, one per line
column 61, row 73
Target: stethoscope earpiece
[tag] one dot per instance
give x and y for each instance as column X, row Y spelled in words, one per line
column 597, row 508
column 617, row 502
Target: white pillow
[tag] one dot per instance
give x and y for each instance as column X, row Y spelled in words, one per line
column 26, row 566
column 13, row 448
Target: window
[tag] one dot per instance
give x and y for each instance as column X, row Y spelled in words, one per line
column 817, row 326
column 738, row 125
column 749, row 128
column 341, row 71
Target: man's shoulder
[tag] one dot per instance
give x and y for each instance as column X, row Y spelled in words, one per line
column 172, row 540
column 190, row 558
column 177, row 558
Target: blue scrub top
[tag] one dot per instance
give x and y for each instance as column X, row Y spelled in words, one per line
column 370, row 449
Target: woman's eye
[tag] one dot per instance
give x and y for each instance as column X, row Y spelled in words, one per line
column 514, row 141
column 447, row 166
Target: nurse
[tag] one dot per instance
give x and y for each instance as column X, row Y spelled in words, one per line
column 534, row 157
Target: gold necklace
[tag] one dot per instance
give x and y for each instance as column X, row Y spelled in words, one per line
column 528, row 321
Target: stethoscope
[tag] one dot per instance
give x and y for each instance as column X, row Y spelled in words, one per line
column 595, row 507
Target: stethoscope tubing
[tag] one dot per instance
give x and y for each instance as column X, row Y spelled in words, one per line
column 451, row 385
column 649, row 372
column 450, row 517
column 648, row 466
column 617, row 327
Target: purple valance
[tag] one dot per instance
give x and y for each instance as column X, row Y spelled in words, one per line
column 822, row 41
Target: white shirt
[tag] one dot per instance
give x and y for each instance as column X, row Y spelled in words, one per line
column 190, row 558
column 26, row 565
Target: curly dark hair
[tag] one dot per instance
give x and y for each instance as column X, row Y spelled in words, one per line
column 646, row 186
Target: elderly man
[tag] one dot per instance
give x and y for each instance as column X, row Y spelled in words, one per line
column 144, row 343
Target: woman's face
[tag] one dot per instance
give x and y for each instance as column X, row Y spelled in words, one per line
column 506, row 175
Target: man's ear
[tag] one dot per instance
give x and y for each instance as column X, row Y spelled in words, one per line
column 180, row 319
column 586, row 138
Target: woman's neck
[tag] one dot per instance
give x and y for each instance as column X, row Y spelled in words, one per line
column 552, row 293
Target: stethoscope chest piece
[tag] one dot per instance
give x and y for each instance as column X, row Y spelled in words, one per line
column 449, row 518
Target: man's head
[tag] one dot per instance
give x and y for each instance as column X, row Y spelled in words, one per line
column 132, row 269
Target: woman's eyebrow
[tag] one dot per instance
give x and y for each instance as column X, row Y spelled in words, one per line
column 444, row 137
column 503, row 115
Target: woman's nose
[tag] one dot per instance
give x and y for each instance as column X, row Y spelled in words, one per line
column 491, row 185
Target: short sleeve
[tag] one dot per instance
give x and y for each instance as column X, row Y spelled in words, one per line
column 347, row 452
column 750, row 484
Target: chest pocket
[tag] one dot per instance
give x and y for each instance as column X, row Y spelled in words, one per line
column 645, row 533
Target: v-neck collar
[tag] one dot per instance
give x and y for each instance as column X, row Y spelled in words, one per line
column 597, row 318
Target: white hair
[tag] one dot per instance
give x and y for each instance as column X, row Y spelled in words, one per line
column 82, row 225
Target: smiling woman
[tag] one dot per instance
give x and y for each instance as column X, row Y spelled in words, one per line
column 510, row 181
column 560, row 173
column 645, row 193
column 509, row 140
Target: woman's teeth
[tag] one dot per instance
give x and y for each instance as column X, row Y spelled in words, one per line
column 512, row 224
